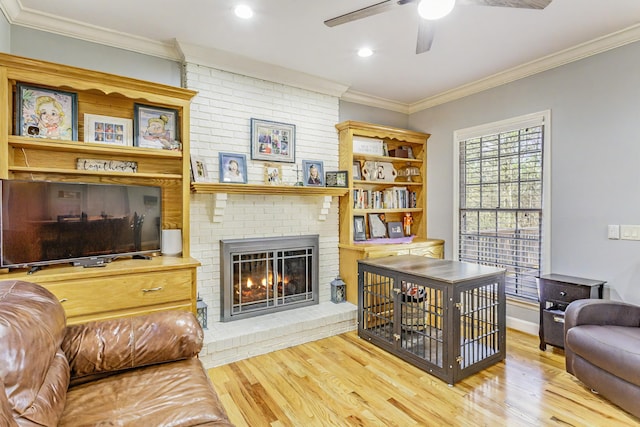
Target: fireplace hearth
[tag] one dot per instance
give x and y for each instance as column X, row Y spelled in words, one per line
column 265, row 275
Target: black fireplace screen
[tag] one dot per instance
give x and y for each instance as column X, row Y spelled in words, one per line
column 266, row 275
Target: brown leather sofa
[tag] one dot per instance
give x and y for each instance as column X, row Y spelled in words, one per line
column 138, row 371
column 602, row 349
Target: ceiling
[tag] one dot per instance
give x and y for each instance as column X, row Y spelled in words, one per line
column 475, row 47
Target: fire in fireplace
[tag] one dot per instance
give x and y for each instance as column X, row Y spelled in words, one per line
column 264, row 275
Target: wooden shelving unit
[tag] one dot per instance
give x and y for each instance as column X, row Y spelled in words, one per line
column 393, row 138
column 122, row 287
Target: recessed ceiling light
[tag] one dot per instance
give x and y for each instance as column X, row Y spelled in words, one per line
column 243, row 11
column 364, row 52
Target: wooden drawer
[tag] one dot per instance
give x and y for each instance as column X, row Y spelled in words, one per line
column 563, row 293
column 435, row 251
column 124, row 292
column 554, row 327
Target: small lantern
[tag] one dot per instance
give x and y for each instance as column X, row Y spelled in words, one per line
column 338, row 290
column 201, row 312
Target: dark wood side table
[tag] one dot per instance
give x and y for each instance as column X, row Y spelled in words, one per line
column 556, row 291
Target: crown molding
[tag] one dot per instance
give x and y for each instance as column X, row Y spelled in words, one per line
column 238, row 64
column 372, row 101
column 576, row 53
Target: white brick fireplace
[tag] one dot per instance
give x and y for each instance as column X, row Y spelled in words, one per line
column 220, row 122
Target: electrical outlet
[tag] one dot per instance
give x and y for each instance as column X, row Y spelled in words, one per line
column 613, row 232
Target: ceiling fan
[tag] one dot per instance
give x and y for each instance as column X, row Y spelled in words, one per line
column 426, row 26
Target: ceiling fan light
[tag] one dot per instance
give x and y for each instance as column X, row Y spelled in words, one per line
column 243, row 11
column 435, row 9
column 365, row 52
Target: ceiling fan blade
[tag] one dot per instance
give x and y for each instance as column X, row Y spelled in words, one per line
column 524, row 4
column 426, row 31
column 366, row 12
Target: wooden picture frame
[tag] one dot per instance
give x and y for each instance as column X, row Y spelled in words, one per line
column 359, row 228
column 199, row 172
column 313, row 173
column 273, row 141
column 233, row 168
column 46, row 113
column 337, row 179
column 272, row 174
column 156, row 127
column 108, row 130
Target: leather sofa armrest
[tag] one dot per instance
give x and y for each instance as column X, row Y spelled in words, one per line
column 101, row 347
column 601, row 312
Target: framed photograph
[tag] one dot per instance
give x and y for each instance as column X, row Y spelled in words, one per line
column 313, row 172
column 357, row 172
column 336, row 179
column 233, row 168
column 155, row 127
column 199, row 171
column 108, row 130
column 359, row 232
column 273, row 141
column 46, row 113
column 272, row 174
column 394, row 229
column 377, row 226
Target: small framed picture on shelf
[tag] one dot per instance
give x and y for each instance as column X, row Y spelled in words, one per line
column 272, row 174
column 199, row 170
column 394, row 229
column 108, row 130
column 357, row 172
column 377, row 226
column 233, row 168
column 313, row 171
column 46, row 113
column 359, row 232
column 156, row 127
column 336, row 179
column 273, row 141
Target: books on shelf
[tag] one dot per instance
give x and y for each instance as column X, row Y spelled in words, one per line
column 389, row 198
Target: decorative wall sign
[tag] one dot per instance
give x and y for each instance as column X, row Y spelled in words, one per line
column 369, row 146
column 106, row 165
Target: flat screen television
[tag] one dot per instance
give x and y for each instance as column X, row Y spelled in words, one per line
column 47, row 222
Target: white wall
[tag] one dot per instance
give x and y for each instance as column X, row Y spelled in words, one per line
column 595, row 159
column 65, row 50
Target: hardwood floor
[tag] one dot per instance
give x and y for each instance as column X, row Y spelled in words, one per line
column 346, row 381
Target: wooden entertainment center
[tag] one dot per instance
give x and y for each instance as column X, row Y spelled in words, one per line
column 122, row 287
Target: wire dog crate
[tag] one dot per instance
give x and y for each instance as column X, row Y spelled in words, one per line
column 445, row 317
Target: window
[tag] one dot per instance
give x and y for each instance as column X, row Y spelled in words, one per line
column 502, row 206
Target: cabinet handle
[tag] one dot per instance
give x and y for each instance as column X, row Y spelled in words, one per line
column 563, row 294
column 157, row 288
column 62, row 300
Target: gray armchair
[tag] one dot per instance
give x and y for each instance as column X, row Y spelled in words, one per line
column 602, row 349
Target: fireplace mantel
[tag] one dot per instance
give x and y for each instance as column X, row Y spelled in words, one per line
column 282, row 190
column 220, row 191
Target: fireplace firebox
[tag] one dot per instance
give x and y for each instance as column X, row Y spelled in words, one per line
column 265, row 275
